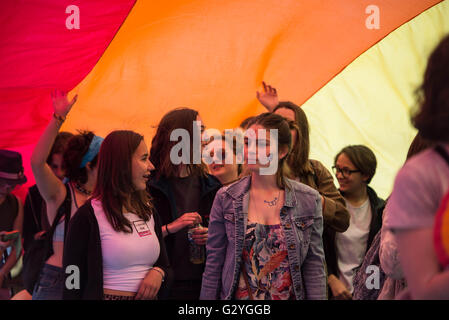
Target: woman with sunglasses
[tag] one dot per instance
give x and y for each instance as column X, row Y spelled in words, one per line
column 354, row 167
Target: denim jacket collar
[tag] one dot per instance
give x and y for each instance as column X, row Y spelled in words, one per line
column 240, row 191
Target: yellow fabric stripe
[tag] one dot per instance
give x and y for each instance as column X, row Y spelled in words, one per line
column 371, row 100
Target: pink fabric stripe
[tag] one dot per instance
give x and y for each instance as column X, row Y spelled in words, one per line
column 39, row 53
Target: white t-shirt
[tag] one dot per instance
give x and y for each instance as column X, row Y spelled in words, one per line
column 351, row 244
column 127, row 257
column 418, row 190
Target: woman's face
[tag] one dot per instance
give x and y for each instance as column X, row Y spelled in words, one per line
column 290, row 116
column 224, row 165
column 261, row 151
column 141, row 167
column 351, row 182
column 56, row 165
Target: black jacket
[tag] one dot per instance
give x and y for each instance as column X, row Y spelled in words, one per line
column 377, row 207
column 164, row 202
column 82, row 248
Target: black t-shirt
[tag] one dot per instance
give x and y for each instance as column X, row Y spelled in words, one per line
column 187, row 193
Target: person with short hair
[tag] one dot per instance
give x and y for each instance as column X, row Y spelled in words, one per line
column 354, row 168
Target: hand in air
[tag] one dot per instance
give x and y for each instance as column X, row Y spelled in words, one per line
column 61, row 104
column 268, row 97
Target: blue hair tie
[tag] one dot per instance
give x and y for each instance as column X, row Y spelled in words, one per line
column 94, row 148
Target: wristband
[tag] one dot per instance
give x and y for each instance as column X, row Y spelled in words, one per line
column 160, row 272
column 166, row 229
column 58, row 118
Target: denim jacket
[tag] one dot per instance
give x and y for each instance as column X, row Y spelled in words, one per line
column 302, row 223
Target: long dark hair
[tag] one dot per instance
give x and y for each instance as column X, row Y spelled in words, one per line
column 161, row 145
column 114, row 186
column 432, row 120
column 270, row 120
column 298, row 160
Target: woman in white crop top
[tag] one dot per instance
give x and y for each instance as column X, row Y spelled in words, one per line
column 121, row 219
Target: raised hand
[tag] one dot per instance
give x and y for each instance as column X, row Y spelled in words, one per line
column 269, row 97
column 61, row 104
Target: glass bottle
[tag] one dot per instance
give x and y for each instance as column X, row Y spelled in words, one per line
column 197, row 252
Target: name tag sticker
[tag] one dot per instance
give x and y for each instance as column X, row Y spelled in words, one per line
column 142, row 228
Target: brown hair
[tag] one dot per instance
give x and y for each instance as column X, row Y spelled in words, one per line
column 363, row 159
column 245, row 122
column 418, row 144
column 270, row 120
column 299, row 157
column 77, row 147
column 114, row 185
column 432, row 120
column 161, row 145
column 60, row 144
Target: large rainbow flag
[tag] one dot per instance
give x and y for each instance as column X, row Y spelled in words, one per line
column 353, row 65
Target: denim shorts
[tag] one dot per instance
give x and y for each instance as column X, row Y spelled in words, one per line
column 50, row 285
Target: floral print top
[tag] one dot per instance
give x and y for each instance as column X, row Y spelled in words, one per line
column 266, row 264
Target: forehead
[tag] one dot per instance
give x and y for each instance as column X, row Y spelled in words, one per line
column 142, row 148
column 256, row 128
column 217, row 145
column 286, row 113
column 344, row 162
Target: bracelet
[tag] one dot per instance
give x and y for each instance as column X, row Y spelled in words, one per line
column 160, row 272
column 166, row 229
column 58, row 118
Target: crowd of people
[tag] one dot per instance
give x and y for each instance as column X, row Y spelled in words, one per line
column 136, row 224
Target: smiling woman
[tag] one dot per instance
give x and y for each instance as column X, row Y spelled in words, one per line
column 126, row 254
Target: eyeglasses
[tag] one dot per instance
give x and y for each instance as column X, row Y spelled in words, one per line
column 344, row 171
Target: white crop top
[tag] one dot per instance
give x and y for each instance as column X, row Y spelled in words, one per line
column 127, row 257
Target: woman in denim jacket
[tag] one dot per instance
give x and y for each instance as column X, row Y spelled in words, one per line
column 265, row 231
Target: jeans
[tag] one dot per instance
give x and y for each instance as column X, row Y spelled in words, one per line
column 50, row 285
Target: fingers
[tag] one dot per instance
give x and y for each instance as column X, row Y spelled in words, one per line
column 74, row 100
column 200, row 236
column 264, row 86
column 140, row 293
column 193, row 216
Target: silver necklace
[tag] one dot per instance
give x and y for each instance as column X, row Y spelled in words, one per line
column 273, row 202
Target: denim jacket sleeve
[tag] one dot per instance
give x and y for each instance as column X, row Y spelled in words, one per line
column 215, row 251
column 313, row 267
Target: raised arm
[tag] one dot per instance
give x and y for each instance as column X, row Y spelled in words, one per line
column 50, row 187
column 268, row 97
